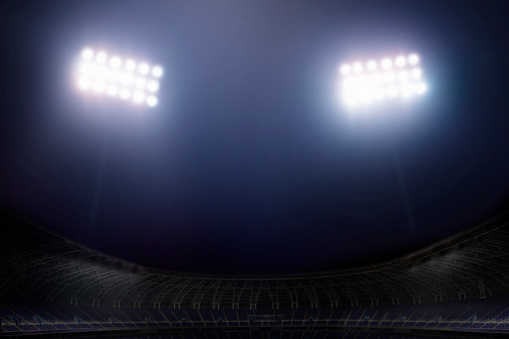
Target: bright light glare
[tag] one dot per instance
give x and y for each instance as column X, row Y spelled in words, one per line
column 400, row 61
column 87, row 69
column 130, row 65
column 101, row 57
column 87, row 54
column 371, row 65
column 376, row 79
column 100, row 72
column 114, row 76
column 345, row 69
column 363, row 81
column 421, row 88
column 143, row 69
column 152, row 101
column 350, row 100
column 416, row 73
column 125, row 94
column 379, row 93
column 403, row 76
column 157, row 71
column 349, row 83
column 112, row 90
column 139, row 97
column 413, row 59
column 407, row 90
column 84, row 83
column 127, row 80
column 393, row 92
column 153, row 86
column 366, row 95
column 117, row 77
column 99, row 87
column 140, row 83
column 115, row 62
column 386, row 63
column 389, row 79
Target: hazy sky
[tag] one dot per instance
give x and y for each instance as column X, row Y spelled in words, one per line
column 250, row 164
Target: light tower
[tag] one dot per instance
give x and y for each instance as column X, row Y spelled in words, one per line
column 109, row 76
column 367, row 85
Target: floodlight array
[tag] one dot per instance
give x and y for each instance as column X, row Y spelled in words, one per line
column 377, row 80
column 113, row 76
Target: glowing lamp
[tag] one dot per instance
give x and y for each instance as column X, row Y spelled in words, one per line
column 400, row 77
column 115, row 77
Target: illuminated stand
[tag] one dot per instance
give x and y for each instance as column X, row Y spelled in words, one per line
column 364, row 83
column 114, row 77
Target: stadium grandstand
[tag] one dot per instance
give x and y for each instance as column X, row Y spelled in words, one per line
column 52, row 286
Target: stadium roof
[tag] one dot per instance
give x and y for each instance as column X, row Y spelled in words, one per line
column 37, row 263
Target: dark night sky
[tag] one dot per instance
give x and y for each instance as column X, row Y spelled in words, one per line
column 249, row 164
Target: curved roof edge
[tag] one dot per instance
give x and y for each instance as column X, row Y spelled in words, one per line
column 442, row 246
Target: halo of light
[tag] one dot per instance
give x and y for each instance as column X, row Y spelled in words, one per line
column 357, row 67
column 376, row 79
column 379, row 93
column 87, row 54
column 350, row 99
column 112, row 90
column 114, row 76
column 407, row 90
column 152, row 101
column 84, row 83
column 371, row 65
column 87, row 69
column 140, row 83
column 366, row 95
column 357, row 94
column 386, row 63
column 389, row 77
column 345, row 69
column 99, row 87
column 153, row 86
column 157, row 71
column 130, row 65
column 349, row 83
column 100, row 72
column 392, row 91
column 138, row 97
column 413, row 59
column 400, row 61
column 143, row 68
column 416, row 73
column 125, row 94
column 127, row 79
column 101, row 57
column 115, row 62
column 421, row 88
column 363, row 81
column 403, row 76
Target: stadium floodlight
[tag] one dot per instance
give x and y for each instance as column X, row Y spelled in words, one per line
column 379, row 80
column 100, row 73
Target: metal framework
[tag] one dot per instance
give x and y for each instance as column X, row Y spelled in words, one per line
column 39, row 264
